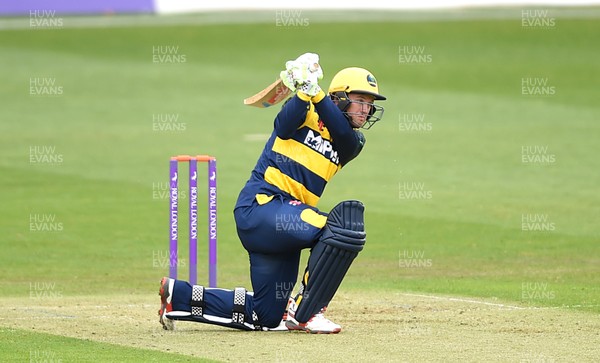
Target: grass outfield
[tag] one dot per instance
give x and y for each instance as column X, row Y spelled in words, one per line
column 453, row 211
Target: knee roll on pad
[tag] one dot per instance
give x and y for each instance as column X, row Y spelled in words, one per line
column 348, row 215
column 342, row 239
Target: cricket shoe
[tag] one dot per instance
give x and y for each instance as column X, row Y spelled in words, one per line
column 166, row 295
column 318, row 324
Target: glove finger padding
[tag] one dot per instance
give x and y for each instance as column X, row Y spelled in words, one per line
column 311, row 60
column 311, row 89
column 295, row 74
column 308, row 58
column 288, row 81
column 303, row 74
column 316, row 72
column 311, row 86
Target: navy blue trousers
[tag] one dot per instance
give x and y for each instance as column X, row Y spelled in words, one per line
column 274, row 234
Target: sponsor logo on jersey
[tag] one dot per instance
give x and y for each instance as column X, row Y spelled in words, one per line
column 322, row 146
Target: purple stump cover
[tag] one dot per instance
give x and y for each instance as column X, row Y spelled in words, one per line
column 212, row 222
column 173, row 199
column 193, row 254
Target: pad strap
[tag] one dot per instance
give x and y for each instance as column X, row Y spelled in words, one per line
column 257, row 326
column 239, row 305
column 197, row 302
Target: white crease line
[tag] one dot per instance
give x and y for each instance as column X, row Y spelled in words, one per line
column 467, row 301
column 80, row 306
column 501, row 305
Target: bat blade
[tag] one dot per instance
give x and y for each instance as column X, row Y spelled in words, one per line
column 271, row 95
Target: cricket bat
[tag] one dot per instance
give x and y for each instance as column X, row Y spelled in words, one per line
column 272, row 95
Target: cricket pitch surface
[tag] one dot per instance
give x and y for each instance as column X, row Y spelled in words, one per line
column 377, row 327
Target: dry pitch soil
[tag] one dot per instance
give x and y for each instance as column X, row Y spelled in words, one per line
column 377, row 327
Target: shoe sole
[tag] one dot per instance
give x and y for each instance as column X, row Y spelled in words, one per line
column 166, row 323
column 295, row 327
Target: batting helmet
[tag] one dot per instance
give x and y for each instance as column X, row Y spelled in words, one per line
column 356, row 80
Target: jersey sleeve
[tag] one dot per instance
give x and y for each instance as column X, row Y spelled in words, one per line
column 361, row 143
column 290, row 117
column 349, row 142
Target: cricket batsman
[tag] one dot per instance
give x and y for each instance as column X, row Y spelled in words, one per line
column 315, row 135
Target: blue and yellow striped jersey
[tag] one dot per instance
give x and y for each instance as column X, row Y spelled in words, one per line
column 310, row 143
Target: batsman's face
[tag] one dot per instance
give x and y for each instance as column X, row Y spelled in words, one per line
column 359, row 109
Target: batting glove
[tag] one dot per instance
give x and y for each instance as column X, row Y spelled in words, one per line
column 303, row 74
column 311, row 89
